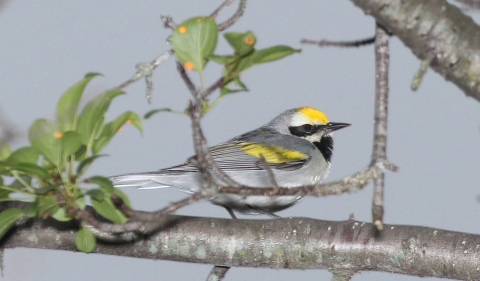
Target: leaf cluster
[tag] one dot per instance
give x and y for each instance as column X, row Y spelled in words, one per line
column 49, row 173
column 194, row 42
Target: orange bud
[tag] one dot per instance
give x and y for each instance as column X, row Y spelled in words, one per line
column 182, row 29
column 188, row 65
column 58, row 134
column 249, row 41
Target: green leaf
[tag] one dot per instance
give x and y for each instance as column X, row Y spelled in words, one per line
column 122, row 196
column 81, row 153
column 258, row 57
column 194, row 40
column 71, row 142
column 92, row 117
column 29, row 169
column 227, row 91
column 47, row 205
column 8, row 219
column 68, row 104
column 30, row 210
column 272, row 54
column 80, row 201
column 96, row 194
column 17, row 184
column 45, row 189
column 234, row 67
column 4, row 194
column 61, row 215
column 103, row 182
column 26, row 154
column 242, row 43
column 85, row 240
column 110, row 129
column 220, row 59
column 107, row 209
column 86, row 162
column 45, row 136
column 5, row 150
column 155, row 111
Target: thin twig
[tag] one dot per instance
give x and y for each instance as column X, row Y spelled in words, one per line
column 233, row 19
column 168, row 22
column 422, row 70
column 225, row 4
column 382, row 57
column 346, row 44
column 157, row 215
column 204, row 159
column 187, row 80
column 269, row 171
column 217, row 273
column 203, row 155
column 348, row 184
column 213, row 87
column 143, row 222
column 146, row 70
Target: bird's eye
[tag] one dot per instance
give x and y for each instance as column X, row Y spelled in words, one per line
column 307, row 128
column 303, row 130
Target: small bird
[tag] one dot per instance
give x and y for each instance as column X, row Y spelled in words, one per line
column 297, row 145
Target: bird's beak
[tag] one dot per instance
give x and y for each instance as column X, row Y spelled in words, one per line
column 330, row 127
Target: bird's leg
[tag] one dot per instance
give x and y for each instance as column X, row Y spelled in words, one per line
column 230, row 211
column 263, row 211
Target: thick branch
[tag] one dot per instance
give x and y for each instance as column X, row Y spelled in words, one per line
column 294, row 243
column 434, row 28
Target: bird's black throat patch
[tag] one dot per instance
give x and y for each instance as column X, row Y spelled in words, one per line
column 325, row 145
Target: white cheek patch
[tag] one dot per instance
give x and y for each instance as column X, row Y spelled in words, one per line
column 314, row 138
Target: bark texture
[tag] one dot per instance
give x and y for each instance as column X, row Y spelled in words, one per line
column 436, row 30
column 295, row 243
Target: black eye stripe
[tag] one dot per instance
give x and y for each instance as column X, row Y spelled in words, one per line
column 305, row 130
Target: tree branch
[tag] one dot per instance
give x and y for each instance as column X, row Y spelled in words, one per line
column 294, row 243
column 379, row 151
column 234, row 18
column 434, row 28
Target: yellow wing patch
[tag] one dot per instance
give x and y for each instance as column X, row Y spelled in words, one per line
column 272, row 153
column 314, row 114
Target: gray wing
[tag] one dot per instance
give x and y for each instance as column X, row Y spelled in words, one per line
column 228, row 156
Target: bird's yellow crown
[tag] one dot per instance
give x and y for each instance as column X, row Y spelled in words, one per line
column 314, row 114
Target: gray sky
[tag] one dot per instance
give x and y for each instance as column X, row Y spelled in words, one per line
column 434, row 134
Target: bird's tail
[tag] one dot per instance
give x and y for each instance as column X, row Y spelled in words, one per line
column 186, row 182
column 149, row 180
